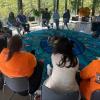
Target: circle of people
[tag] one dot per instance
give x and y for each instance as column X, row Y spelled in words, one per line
column 62, row 76
column 14, row 63
column 21, row 20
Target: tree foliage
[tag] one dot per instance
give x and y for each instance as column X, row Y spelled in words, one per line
column 11, row 5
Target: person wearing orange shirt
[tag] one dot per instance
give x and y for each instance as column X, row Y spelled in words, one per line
column 90, row 79
column 16, row 63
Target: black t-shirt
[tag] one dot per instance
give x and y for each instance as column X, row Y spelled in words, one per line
column 46, row 15
column 66, row 15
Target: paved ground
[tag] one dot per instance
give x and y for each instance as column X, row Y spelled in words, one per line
column 7, row 93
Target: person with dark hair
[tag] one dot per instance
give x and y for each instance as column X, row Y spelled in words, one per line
column 66, row 17
column 11, row 20
column 17, row 63
column 15, row 57
column 46, row 17
column 65, row 65
column 22, row 21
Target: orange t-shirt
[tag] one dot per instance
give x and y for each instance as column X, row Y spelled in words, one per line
column 88, row 74
column 21, row 64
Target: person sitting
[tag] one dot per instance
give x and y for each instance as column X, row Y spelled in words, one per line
column 11, row 20
column 65, row 65
column 22, row 20
column 16, row 63
column 90, row 76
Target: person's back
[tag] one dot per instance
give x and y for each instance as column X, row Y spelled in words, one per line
column 16, row 63
column 63, row 75
column 62, row 79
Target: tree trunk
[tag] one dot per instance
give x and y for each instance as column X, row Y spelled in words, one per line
column 76, row 6
column 93, row 7
column 54, row 5
column 39, row 5
column 57, row 4
column 66, row 1
column 20, row 5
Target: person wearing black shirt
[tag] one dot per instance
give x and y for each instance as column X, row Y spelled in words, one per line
column 66, row 17
column 45, row 17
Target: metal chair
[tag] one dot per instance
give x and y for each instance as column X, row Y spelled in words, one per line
column 49, row 94
column 95, row 95
column 17, row 85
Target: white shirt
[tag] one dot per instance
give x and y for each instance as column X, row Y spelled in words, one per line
column 62, row 79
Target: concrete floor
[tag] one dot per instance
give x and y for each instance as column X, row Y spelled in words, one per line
column 7, row 93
